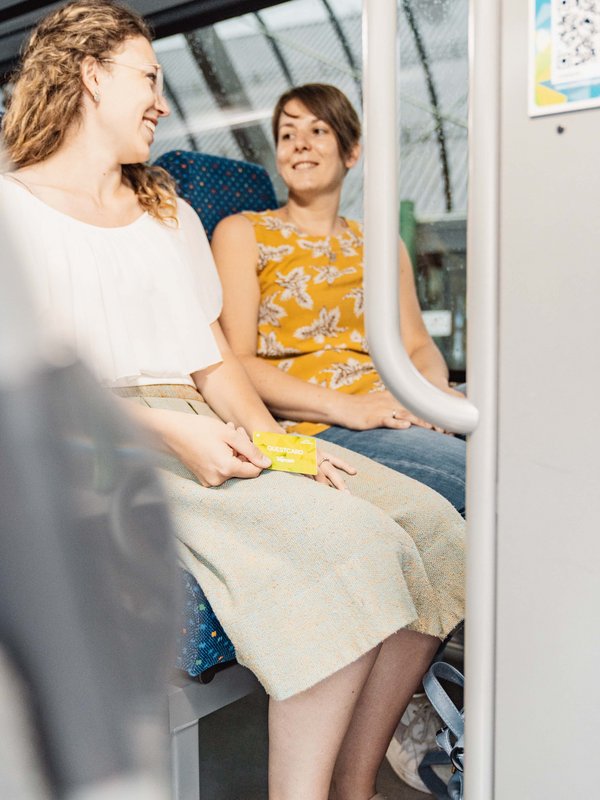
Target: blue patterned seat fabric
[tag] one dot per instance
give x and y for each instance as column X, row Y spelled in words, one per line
column 215, row 188
column 201, row 641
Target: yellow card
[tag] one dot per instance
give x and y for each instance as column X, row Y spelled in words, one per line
column 290, row 452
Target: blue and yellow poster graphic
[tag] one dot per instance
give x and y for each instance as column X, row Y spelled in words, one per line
column 564, row 56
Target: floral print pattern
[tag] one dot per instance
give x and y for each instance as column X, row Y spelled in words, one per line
column 329, row 273
column 359, row 339
column 347, row 373
column 269, row 313
column 311, row 319
column 358, row 296
column 276, row 254
column 285, row 228
column 270, row 346
column 294, row 286
column 317, row 249
column 325, row 326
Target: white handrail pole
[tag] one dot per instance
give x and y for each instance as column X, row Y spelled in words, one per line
column 482, row 362
column 381, row 229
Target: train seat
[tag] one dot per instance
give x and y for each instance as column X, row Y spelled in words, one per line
column 215, row 187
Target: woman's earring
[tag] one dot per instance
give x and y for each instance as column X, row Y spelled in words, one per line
column 96, row 96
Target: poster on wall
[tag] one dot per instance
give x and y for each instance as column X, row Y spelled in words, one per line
column 564, row 56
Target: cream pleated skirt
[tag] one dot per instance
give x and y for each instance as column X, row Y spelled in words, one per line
column 304, row 578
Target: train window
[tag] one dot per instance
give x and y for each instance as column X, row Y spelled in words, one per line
column 434, row 163
column 222, row 81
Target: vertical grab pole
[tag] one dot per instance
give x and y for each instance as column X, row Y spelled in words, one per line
column 382, row 314
column 381, row 170
column 381, row 282
column 483, row 252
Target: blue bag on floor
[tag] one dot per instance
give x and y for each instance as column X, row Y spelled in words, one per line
column 450, row 738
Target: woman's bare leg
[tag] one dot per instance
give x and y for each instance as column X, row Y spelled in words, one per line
column 398, row 670
column 307, row 730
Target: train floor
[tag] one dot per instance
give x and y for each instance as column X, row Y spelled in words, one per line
column 233, row 756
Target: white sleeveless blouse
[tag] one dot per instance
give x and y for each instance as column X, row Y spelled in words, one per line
column 135, row 302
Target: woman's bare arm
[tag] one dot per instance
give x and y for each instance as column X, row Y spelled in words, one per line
column 230, row 393
column 215, row 450
column 210, row 449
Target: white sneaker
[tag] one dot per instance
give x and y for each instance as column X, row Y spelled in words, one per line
column 414, row 736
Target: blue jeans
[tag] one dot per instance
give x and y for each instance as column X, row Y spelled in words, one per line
column 435, row 459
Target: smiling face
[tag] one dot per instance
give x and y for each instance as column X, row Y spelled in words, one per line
column 308, row 154
column 129, row 104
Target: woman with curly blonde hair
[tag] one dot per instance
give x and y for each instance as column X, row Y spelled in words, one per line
column 336, row 600
column 46, row 104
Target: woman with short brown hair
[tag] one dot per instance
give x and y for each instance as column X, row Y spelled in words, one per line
column 293, row 307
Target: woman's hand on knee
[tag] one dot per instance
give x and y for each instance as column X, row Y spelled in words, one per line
column 362, row 412
column 212, row 450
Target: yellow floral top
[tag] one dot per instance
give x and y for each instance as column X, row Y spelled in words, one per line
column 311, row 314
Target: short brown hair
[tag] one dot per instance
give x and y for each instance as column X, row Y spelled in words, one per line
column 329, row 104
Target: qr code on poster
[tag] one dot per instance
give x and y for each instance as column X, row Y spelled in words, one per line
column 575, row 41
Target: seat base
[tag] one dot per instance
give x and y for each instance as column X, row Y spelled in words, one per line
column 189, row 701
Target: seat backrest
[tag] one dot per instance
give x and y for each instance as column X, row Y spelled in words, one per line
column 216, row 187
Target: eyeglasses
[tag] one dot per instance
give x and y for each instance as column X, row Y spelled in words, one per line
column 157, row 78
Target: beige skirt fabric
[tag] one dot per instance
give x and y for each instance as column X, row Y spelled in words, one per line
column 304, row 578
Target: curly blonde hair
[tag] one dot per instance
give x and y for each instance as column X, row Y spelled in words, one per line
column 47, row 96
